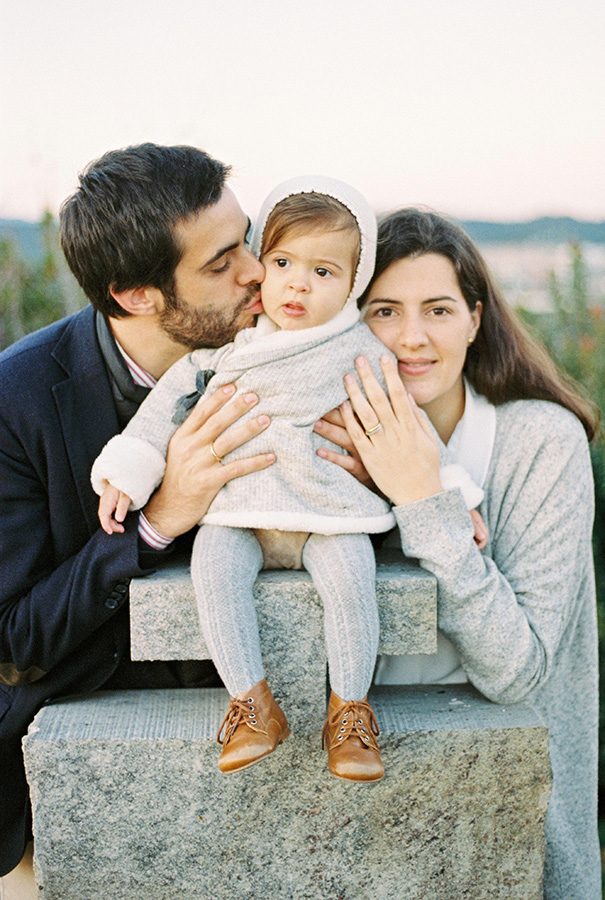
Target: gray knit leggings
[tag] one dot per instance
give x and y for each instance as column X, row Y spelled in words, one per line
column 224, row 566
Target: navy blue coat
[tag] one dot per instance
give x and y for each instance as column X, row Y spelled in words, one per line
column 63, row 581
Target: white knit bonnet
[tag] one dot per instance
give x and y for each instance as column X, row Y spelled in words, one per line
column 345, row 194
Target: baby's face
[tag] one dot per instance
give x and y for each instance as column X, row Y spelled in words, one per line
column 308, row 278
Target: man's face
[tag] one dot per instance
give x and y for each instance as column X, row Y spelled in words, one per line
column 217, row 280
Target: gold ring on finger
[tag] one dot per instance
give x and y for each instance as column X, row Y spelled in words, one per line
column 215, row 454
column 373, row 430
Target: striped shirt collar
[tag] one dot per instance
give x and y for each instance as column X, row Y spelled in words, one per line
column 139, row 375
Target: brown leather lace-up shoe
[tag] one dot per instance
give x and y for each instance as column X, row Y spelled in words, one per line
column 350, row 736
column 253, row 728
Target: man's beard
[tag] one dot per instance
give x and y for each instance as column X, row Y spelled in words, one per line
column 206, row 327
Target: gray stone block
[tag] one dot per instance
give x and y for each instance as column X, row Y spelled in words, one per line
column 129, row 804
column 164, row 623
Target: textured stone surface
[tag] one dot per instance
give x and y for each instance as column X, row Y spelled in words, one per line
column 129, row 804
column 164, row 622
column 164, row 625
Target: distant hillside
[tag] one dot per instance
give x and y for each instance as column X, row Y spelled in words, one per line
column 25, row 234
column 539, row 231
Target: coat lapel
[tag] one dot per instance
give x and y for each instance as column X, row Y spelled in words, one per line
column 85, row 406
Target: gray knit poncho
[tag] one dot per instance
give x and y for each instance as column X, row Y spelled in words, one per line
column 298, row 376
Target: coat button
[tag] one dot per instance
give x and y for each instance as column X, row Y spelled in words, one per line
column 113, row 601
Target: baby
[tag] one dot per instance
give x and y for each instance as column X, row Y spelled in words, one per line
column 316, row 238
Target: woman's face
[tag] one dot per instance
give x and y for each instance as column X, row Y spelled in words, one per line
column 417, row 309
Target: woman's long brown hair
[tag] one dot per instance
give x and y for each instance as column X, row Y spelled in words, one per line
column 504, row 362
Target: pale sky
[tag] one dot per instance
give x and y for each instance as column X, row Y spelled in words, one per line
column 479, row 108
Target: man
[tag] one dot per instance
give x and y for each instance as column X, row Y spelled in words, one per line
column 157, row 241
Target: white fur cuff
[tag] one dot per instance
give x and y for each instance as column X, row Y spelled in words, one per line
column 131, row 465
column 454, row 476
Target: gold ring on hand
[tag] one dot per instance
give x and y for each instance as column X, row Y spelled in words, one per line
column 215, row 454
column 373, row 430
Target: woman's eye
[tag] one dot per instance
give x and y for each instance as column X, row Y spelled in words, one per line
column 440, row 311
column 385, row 313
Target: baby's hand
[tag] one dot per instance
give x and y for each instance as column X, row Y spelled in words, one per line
column 481, row 532
column 113, row 506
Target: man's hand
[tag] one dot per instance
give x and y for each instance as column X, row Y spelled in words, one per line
column 113, row 506
column 193, row 474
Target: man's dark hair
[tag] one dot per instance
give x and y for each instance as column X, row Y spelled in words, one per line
column 117, row 229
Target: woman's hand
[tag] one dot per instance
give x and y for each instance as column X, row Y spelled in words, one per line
column 332, row 427
column 401, row 454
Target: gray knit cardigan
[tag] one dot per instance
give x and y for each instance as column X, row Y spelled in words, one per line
column 522, row 613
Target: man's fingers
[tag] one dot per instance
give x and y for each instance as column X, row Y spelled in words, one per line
column 207, row 406
column 217, row 413
column 240, row 467
column 235, row 437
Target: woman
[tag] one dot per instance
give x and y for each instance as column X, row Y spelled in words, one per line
column 517, row 620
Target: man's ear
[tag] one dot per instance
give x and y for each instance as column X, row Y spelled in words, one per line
column 138, row 301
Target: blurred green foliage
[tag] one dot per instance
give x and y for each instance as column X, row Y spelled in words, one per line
column 33, row 294
column 574, row 334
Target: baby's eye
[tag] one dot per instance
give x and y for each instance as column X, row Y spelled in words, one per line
column 281, row 262
column 322, row 272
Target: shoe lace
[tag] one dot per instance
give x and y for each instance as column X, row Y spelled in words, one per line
column 354, row 719
column 236, row 712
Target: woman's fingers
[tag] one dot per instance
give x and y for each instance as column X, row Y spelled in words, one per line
column 421, row 417
column 352, row 424
column 401, row 401
column 332, row 428
column 396, row 445
column 365, row 411
column 334, row 417
column 372, row 405
column 350, row 463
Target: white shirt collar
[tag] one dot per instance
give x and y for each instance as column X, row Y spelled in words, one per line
column 472, row 442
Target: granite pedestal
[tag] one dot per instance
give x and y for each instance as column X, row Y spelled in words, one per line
column 129, row 803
